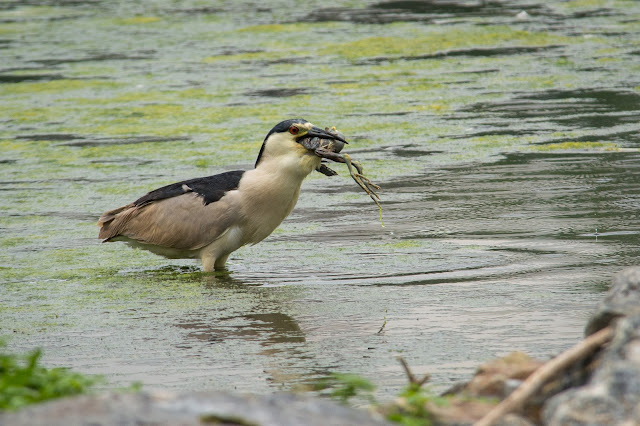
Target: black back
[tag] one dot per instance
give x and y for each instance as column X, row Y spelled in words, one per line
column 210, row 188
column 282, row 126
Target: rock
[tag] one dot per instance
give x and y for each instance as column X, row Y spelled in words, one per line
column 622, row 300
column 589, row 406
column 190, row 409
column 612, row 394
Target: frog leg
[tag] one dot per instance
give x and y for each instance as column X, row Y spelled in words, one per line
column 364, row 182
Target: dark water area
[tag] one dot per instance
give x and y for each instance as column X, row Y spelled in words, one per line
column 504, row 135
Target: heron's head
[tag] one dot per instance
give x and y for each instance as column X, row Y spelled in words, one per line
column 283, row 139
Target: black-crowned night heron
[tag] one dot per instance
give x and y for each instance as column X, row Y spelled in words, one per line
column 211, row 217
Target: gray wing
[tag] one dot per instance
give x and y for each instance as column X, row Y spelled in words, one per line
column 186, row 215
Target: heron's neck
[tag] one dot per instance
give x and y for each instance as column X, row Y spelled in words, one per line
column 271, row 191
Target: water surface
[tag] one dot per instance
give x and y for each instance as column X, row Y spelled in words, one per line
column 506, row 145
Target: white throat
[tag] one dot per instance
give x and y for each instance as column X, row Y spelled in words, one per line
column 270, row 191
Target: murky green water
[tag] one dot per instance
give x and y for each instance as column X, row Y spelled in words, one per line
column 502, row 142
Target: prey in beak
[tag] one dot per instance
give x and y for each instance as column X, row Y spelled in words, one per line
column 327, row 144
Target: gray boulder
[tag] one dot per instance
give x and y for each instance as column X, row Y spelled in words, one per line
column 612, row 394
column 201, row 408
column 622, row 300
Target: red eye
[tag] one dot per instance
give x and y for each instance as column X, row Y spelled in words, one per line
column 293, row 130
